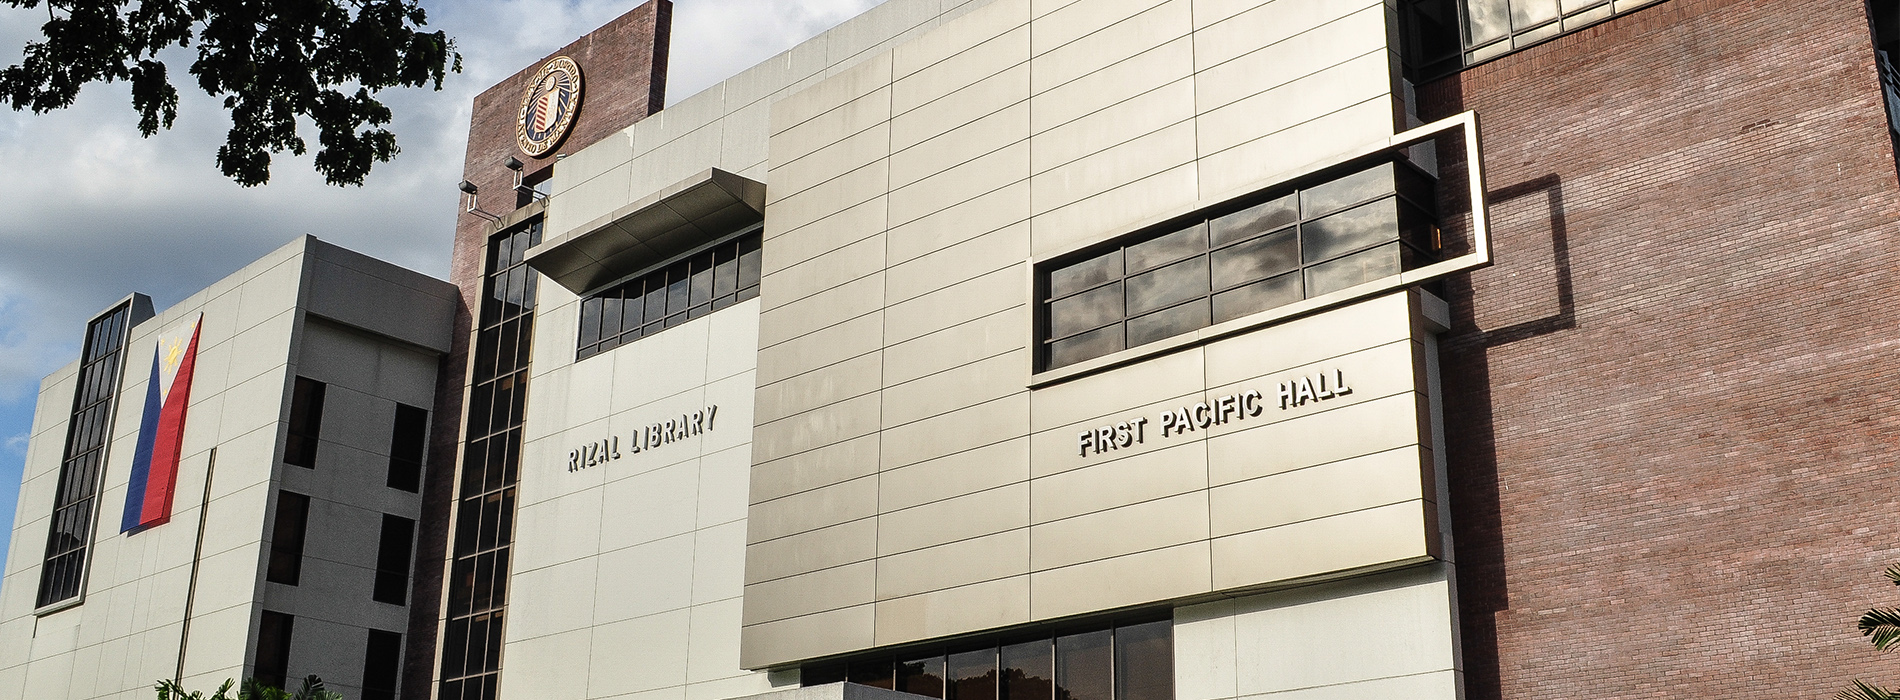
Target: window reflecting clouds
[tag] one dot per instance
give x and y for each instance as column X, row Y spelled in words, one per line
column 1238, row 259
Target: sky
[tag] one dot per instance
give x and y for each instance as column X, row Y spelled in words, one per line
column 94, row 212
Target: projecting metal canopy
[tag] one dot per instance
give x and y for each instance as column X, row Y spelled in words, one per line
column 651, row 230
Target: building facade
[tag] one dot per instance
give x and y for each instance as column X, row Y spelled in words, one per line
column 310, row 375
column 1045, row 350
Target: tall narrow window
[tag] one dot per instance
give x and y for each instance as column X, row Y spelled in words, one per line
column 273, row 649
column 286, row 538
column 406, row 444
column 491, row 460
column 382, row 663
column 62, row 576
column 392, row 560
column 306, row 421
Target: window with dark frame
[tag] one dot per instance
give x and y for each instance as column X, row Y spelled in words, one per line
column 1126, row 661
column 382, row 664
column 306, row 422
column 273, row 648
column 713, row 279
column 477, row 586
column 1441, row 37
column 407, row 442
column 392, row 560
column 62, row 573
column 1243, row 257
column 287, row 536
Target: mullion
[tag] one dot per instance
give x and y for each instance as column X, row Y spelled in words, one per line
column 88, row 432
column 497, row 435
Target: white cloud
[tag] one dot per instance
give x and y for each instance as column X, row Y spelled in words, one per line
column 96, row 212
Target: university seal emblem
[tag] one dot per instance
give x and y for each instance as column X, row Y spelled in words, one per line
column 548, row 106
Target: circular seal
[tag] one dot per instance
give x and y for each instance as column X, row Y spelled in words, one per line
column 548, row 106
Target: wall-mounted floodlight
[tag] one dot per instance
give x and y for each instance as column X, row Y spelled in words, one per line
column 521, row 188
column 469, row 190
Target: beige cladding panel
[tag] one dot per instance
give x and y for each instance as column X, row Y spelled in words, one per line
column 909, row 483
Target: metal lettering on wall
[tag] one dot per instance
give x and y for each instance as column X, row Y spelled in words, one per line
column 646, row 438
column 1205, row 414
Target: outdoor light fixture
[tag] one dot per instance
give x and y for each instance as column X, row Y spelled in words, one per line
column 469, row 189
column 515, row 164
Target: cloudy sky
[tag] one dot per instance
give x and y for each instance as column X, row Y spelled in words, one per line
column 95, row 212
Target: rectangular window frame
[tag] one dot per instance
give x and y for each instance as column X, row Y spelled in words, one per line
column 1370, row 154
column 475, row 590
column 290, row 529
column 305, row 423
column 83, row 457
column 382, row 661
column 271, row 664
column 947, row 669
column 394, row 551
column 592, row 337
column 408, row 448
column 1472, row 51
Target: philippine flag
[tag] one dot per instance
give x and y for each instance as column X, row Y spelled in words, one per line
column 148, row 501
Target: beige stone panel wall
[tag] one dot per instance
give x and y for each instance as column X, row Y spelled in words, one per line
column 1022, row 129
column 727, row 125
column 644, row 551
column 1309, row 643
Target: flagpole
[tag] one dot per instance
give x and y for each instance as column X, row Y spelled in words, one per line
column 197, row 553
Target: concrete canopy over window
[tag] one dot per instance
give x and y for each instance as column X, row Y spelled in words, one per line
column 651, row 230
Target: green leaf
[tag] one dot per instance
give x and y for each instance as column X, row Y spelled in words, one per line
column 1862, row 691
column 1883, row 625
column 274, row 64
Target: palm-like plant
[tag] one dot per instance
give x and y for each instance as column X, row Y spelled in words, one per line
column 312, row 689
column 1882, row 625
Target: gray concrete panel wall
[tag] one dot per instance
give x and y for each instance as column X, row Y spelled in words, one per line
column 126, row 632
column 366, row 376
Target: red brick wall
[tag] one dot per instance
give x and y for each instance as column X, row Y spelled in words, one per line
column 1672, row 404
column 623, row 68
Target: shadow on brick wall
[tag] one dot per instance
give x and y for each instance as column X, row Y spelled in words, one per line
column 1476, row 511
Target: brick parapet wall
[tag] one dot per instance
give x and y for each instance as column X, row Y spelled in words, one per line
column 623, row 66
column 1672, row 402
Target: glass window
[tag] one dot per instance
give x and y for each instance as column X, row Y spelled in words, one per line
column 1240, row 258
column 1443, row 36
column 971, row 675
column 1105, row 662
column 1144, row 661
column 1028, row 671
column 713, row 279
column 62, row 575
column 484, row 514
column 306, row 423
column 921, row 676
column 1083, row 668
column 392, row 560
column 382, row 665
column 287, row 536
column 407, row 441
column 273, row 648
